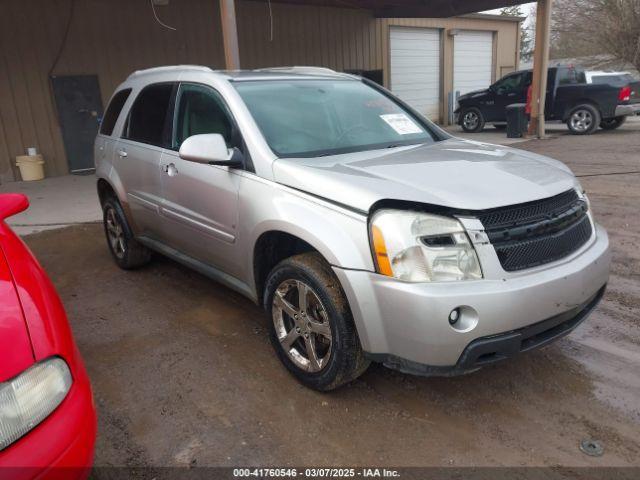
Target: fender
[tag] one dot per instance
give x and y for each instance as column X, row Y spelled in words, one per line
column 339, row 235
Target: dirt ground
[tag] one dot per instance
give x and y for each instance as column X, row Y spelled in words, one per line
column 183, row 372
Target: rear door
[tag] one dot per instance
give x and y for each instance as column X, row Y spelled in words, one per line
column 200, row 207
column 137, row 155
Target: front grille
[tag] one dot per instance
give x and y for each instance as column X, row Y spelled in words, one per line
column 536, row 233
column 527, row 212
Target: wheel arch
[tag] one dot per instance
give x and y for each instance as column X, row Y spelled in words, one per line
column 579, row 103
column 276, row 241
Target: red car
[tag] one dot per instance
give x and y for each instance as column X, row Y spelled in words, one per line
column 47, row 415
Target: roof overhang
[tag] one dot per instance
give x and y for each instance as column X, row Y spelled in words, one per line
column 412, row 8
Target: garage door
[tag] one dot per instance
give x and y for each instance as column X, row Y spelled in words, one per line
column 415, row 68
column 472, row 60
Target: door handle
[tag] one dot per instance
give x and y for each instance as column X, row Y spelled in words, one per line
column 170, row 170
column 122, row 153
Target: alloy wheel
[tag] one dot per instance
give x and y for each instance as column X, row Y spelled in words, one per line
column 581, row 120
column 302, row 325
column 115, row 233
column 470, row 120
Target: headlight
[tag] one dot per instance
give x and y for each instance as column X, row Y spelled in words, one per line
column 30, row 397
column 418, row 247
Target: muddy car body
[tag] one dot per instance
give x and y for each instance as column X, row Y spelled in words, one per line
column 394, row 242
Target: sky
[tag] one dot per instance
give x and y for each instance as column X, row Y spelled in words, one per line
column 526, row 7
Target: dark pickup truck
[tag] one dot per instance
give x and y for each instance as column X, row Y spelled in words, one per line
column 583, row 107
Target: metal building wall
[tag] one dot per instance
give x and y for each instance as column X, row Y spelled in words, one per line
column 109, row 38
column 112, row 38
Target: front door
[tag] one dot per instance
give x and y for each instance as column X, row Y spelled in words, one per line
column 79, row 107
column 200, row 206
column 507, row 91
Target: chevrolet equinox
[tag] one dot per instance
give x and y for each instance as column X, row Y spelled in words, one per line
column 365, row 231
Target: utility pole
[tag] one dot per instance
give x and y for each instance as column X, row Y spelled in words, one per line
column 230, row 34
column 540, row 68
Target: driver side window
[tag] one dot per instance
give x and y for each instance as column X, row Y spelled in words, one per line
column 512, row 83
column 201, row 110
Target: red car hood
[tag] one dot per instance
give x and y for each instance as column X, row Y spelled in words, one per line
column 15, row 345
column 33, row 323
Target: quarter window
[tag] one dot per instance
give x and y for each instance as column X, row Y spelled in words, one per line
column 148, row 115
column 113, row 111
column 201, row 110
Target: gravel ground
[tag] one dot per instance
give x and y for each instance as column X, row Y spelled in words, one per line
column 183, row 372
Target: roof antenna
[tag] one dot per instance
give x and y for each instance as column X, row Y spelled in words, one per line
column 153, row 7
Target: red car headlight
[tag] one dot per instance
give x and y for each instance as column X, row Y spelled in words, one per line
column 29, row 398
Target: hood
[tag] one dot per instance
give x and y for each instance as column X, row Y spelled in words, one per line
column 454, row 173
column 16, row 353
column 473, row 93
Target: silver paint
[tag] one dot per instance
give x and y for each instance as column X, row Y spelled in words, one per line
column 210, row 218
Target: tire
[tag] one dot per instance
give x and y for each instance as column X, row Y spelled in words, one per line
column 612, row 123
column 127, row 252
column 324, row 327
column 472, row 120
column 583, row 120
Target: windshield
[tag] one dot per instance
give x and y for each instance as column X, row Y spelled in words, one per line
column 306, row 118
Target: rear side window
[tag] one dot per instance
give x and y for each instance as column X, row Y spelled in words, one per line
column 113, row 111
column 148, row 115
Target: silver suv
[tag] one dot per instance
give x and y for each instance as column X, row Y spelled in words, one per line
column 365, row 231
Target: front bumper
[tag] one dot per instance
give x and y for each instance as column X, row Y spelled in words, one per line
column 406, row 324
column 62, row 446
column 625, row 110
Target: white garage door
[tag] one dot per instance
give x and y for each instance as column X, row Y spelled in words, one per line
column 472, row 61
column 415, row 68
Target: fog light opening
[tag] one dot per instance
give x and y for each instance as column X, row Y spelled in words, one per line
column 463, row 318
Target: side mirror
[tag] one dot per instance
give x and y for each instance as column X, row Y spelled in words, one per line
column 209, row 148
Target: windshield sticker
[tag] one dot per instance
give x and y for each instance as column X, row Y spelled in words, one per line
column 402, row 124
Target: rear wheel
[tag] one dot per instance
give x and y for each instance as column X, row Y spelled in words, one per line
column 312, row 329
column 472, row 120
column 612, row 123
column 127, row 252
column 583, row 120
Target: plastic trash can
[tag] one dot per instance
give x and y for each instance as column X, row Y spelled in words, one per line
column 31, row 167
column 516, row 120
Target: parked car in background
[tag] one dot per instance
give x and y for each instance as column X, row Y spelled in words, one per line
column 583, row 107
column 365, row 231
column 630, row 94
column 47, row 415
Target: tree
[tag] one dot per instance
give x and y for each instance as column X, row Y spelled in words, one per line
column 591, row 27
column 526, row 38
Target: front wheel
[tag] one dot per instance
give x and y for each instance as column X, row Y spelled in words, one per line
column 312, row 329
column 472, row 120
column 583, row 120
column 612, row 123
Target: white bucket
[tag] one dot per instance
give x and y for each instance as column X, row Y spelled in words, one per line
column 31, row 167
